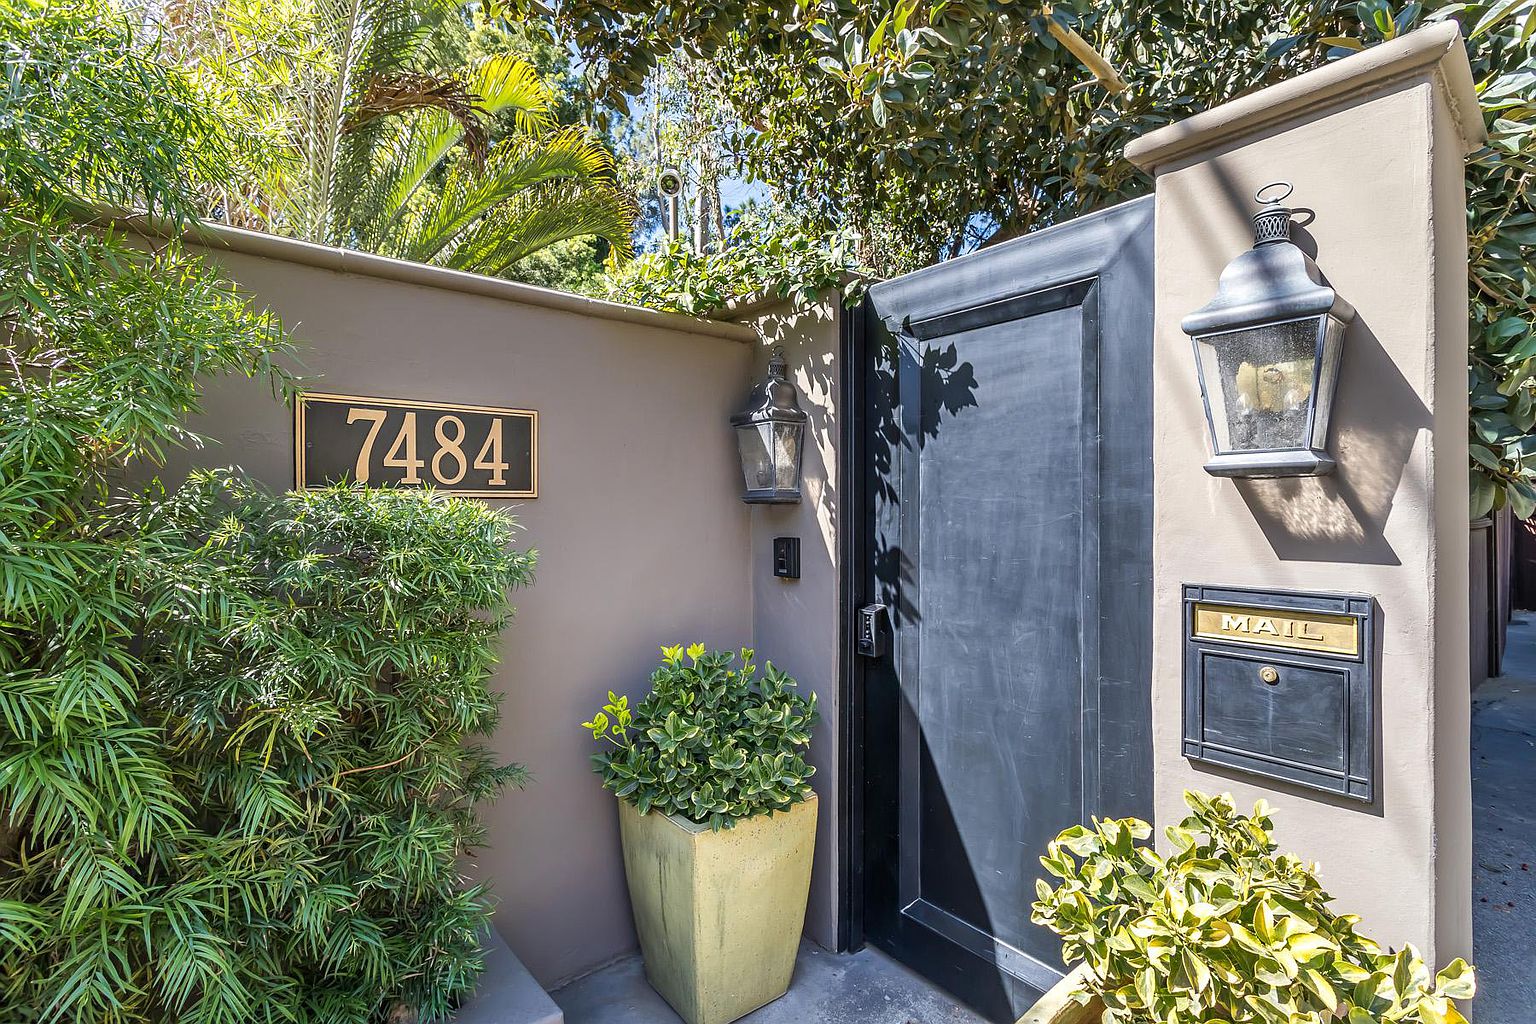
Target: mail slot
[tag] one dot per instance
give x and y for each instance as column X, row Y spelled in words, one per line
column 1281, row 684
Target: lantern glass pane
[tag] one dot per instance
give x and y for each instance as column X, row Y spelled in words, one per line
column 786, row 455
column 756, row 443
column 1332, row 347
column 1258, row 381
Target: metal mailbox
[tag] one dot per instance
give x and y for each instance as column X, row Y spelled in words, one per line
column 1282, row 684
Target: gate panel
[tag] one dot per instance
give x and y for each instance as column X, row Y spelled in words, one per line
column 1009, row 469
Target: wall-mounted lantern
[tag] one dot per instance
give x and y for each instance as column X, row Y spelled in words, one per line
column 770, row 432
column 1267, row 352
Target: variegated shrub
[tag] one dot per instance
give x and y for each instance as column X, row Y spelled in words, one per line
column 1225, row 930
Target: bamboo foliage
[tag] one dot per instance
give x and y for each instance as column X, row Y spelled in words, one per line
column 236, row 757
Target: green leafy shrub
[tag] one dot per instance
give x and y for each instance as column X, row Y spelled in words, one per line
column 232, row 782
column 1224, row 930
column 756, row 259
column 320, row 659
column 711, row 742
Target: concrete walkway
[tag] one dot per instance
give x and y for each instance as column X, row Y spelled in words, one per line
column 1504, row 834
column 861, row 988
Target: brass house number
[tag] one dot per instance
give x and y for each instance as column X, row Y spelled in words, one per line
column 473, row 450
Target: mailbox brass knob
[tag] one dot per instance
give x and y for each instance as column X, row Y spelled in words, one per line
column 1269, row 674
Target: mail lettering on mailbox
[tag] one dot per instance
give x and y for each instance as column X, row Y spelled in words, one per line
column 1265, row 627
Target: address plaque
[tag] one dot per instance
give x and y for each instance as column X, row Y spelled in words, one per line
column 471, row 450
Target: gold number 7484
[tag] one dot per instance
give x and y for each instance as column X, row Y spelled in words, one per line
column 376, row 418
column 489, row 456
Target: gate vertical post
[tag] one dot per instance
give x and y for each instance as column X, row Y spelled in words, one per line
column 1375, row 146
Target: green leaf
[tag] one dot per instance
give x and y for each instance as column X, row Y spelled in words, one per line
column 1483, row 491
column 1522, row 501
column 1495, row 14
column 1319, row 986
column 1456, row 980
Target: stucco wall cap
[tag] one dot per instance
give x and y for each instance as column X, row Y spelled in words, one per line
column 1436, row 49
column 350, row 261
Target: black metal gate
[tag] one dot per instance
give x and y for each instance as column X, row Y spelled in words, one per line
column 1007, row 534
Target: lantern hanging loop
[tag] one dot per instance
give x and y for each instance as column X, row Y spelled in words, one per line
column 1258, row 195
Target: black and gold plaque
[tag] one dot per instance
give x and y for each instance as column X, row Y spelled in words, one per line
column 472, row 450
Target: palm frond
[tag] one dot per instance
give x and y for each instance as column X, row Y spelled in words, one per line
column 541, row 216
column 414, row 90
column 362, row 47
column 414, row 147
column 393, row 35
column 507, row 82
column 515, row 165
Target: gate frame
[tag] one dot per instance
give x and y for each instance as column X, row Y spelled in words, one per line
column 854, row 559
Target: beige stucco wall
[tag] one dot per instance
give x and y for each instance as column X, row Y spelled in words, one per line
column 795, row 622
column 1375, row 150
column 641, row 535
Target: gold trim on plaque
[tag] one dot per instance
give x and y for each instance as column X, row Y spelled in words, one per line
column 532, row 415
column 1266, row 627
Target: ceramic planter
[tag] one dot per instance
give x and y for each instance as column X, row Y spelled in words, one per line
column 1058, row 1007
column 719, row 913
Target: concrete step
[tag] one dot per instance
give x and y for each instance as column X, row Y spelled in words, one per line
column 507, row 993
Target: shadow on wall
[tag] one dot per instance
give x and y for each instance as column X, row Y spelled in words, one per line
column 1342, row 517
column 813, row 376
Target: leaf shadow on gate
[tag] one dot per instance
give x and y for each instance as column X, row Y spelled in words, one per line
column 946, row 387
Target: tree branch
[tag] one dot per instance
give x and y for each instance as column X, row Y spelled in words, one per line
column 1084, row 51
column 388, row 764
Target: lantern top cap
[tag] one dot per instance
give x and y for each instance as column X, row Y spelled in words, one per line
column 1270, row 283
column 777, row 367
column 772, row 399
column 1273, row 222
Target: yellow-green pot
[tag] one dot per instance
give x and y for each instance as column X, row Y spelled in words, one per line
column 1058, row 1007
column 719, row 913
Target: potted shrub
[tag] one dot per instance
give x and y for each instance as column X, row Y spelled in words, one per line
column 1223, row 929
column 718, row 823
